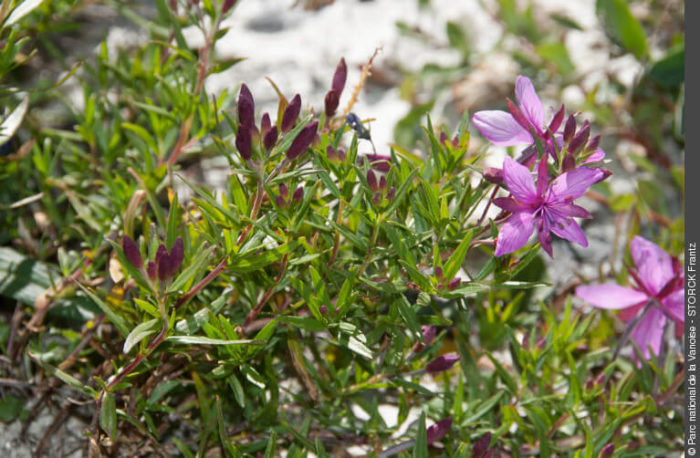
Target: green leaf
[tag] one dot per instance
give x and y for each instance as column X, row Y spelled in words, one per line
column 670, row 70
column 108, row 415
column 457, row 258
column 139, row 333
column 310, row 324
column 10, row 407
column 196, row 266
column 200, row 340
column 622, row 27
column 22, row 278
column 420, row 450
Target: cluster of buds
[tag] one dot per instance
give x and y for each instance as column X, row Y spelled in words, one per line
column 332, row 99
column 165, row 265
column 578, row 145
column 268, row 134
column 335, row 156
column 376, row 177
column 451, row 285
column 444, row 139
column 282, row 199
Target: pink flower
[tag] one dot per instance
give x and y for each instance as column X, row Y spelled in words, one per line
column 508, row 129
column 658, row 284
column 547, row 207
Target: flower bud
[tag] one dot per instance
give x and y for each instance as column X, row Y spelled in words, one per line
column 382, row 183
column 339, row 77
column 454, row 283
column 265, row 124
column 438, row 272
column 493, row 175
column 228, row 4
column 569, row 128
column 593, row 144
column 131, row 251
column 152, row 270
column 177, row 254
column 607, row 451
column 331, row 103
column 246, row 107
column 291, row 113
column 569, row 163
column 580, row 138
column 284, row 190
column 439, row 430
column 162, row 262
column 372, row 180
column 557, row 120
column 380, row 162
column 481, row 446
column 298, row 195
column 429, row 333
column 280, row 201
column 442, row 362
column 390, row 194
column 270, row 138
column 244, row 142
column 443, row 138
column 302, row 141
column 342, row 155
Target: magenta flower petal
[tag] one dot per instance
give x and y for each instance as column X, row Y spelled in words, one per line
column 599, row 155
column 529, row 102
column 519, row 181
column 544, row 235
column 509, row 204
column 674, row 304
column 572, row 185
column 515, row 233
column 610, row 296
column 500, row 128
column 564, row 210
column 649, row 332
column 570, row 230
column 654, row 264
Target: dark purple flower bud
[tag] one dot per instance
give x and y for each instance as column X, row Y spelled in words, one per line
column 376, row 198
column 557, row 120
column 382, row 182
column 177, row 254
column 518, row 115
column 265, row 124
column 291, row 113
column 298, row 194
column 280, row 201
column 443, row 137
column 162, row 262
column 131, row 251
column 569, row 128
column 339, row 77
column 580, row 138
column 438, row 272
column 342, row 155
column 455, row 141
column 331, row 103
column 284, row 190
column 493, row 175
column 270, row 138
column 600, row 379
column 152, row 270
column 607, row 451
column 302, row 141
column 246, row 107
column 439, row 430
column 390, row 194
column 442, row 362
column 454, row 283
column 372, row 180
column 429, row 333
column 331, row 154
column 228, row 4
column 481, row 446
column 593, row 144
column 244, row 142
column 379, row 162
column 323, row 309
column 589, row 384
column 569, row 163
